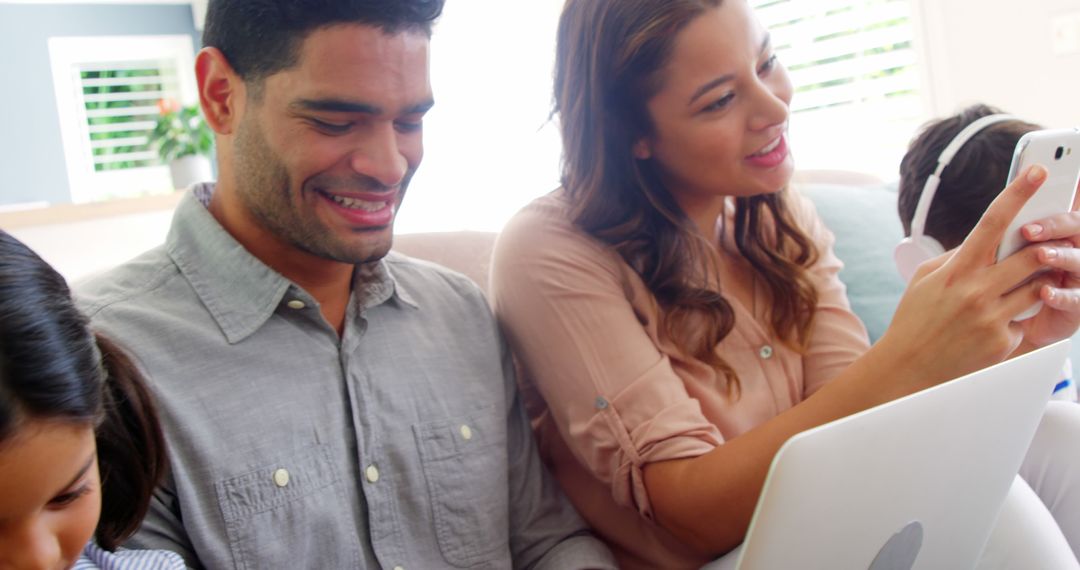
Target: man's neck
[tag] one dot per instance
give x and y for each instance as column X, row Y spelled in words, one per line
column 328, row 281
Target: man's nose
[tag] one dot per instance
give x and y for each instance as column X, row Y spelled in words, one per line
column 379, row 157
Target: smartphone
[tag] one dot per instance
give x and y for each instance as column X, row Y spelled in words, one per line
column 1059, row 151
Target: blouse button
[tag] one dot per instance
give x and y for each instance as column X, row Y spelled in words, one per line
column 766, row 352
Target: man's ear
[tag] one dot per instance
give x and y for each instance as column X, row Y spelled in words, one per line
column 641, row 149
column 221, row 90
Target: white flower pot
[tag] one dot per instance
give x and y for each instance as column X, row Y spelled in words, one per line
column 188, row 170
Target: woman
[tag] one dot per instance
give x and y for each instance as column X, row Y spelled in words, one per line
column 80, row 446
column 678, row 310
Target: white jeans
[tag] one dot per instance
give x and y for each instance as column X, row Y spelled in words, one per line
column 1039, row 524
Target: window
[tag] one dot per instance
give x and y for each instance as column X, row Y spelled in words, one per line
column 107, row 89
column 852, row 62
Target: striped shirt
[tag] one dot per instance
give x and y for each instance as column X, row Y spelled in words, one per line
column 96, row 558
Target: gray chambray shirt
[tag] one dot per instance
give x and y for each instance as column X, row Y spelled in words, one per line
column 401, row 444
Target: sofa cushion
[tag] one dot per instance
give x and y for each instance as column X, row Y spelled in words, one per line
column 867, row 228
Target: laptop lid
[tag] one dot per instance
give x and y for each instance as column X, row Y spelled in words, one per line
column 913, row 483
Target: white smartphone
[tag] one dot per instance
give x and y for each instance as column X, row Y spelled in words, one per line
column 1059, row 151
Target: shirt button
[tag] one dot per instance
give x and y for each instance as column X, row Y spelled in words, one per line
column 466, row 433
column 281, row 477
column 766, row 352
column 601, row 403
column 371, row 473
column 399, row 568
column 296, row 304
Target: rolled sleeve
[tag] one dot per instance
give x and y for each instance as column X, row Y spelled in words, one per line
column 568, row 311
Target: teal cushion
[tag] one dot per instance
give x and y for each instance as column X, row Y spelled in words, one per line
column 867, row 228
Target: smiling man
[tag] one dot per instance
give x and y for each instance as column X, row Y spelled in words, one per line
column 327, row 405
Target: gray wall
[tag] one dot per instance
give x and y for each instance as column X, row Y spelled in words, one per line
column 32, row 166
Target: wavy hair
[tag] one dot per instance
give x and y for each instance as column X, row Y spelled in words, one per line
column 609, row 62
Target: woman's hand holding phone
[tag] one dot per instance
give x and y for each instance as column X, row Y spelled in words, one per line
column 957, row 313
column 1057, row 241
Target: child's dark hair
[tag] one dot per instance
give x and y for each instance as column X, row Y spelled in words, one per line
column 972, row 180
column 53, row 368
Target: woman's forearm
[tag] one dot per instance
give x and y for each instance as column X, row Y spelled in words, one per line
column 707, row 501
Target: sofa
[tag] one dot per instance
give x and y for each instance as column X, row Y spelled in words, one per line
column 860, row 209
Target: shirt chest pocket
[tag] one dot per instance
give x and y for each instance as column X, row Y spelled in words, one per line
column 465, row 464
column 288, row 515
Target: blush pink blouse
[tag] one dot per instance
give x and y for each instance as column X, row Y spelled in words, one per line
column 609, row 392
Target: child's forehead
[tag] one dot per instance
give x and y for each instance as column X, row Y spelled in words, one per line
column 41, row 459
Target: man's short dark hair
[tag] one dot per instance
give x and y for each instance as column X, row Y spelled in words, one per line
column 263, row 37
column 972, row 180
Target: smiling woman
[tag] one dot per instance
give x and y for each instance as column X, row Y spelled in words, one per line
column 676, row 307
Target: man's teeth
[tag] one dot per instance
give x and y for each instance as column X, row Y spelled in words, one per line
column 356, row 203
column 772, row 146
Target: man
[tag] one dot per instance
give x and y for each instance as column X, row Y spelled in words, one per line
column 326, row 406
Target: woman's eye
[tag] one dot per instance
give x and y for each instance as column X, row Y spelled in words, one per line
column 768, row 65
column 719, row 103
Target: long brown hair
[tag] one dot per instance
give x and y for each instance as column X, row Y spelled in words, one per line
column 608, row 65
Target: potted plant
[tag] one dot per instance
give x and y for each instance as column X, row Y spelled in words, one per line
column 184, row 142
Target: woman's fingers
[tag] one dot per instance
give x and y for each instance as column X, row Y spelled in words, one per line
column 1010, row 272
column 1067, row 300
column 980, row 247
column 1065, row 225
column 1060, row 255
column 1024, row 297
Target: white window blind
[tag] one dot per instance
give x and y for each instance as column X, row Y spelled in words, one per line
column 107, row 93
column 120, row 100
column 854, row 67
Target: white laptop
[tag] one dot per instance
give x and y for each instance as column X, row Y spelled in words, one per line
column 914, row 483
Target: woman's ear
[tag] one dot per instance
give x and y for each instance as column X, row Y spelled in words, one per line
column 641, row 149
column 221, row 90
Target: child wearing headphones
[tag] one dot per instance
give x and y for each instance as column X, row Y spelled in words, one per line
column 80, row 447
column 951, row 172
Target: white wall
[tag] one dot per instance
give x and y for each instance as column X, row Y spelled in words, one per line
column 1000, row 52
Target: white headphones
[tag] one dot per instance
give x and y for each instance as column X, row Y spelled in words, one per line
column 913, row 250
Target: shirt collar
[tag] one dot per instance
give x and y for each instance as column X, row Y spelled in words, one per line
column 241, row 292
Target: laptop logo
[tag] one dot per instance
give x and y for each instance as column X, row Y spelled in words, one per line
column 901, row 550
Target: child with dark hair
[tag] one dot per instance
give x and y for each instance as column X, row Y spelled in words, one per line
column 970, row 179
column 80, row 446
column 974, row 177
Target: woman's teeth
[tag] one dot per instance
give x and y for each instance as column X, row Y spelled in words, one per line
column 772, row 146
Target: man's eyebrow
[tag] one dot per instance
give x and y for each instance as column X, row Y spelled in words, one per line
column 724, row 78
column 343, row 106
column 334, row 105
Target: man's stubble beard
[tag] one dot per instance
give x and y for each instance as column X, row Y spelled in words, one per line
column 264, row 188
